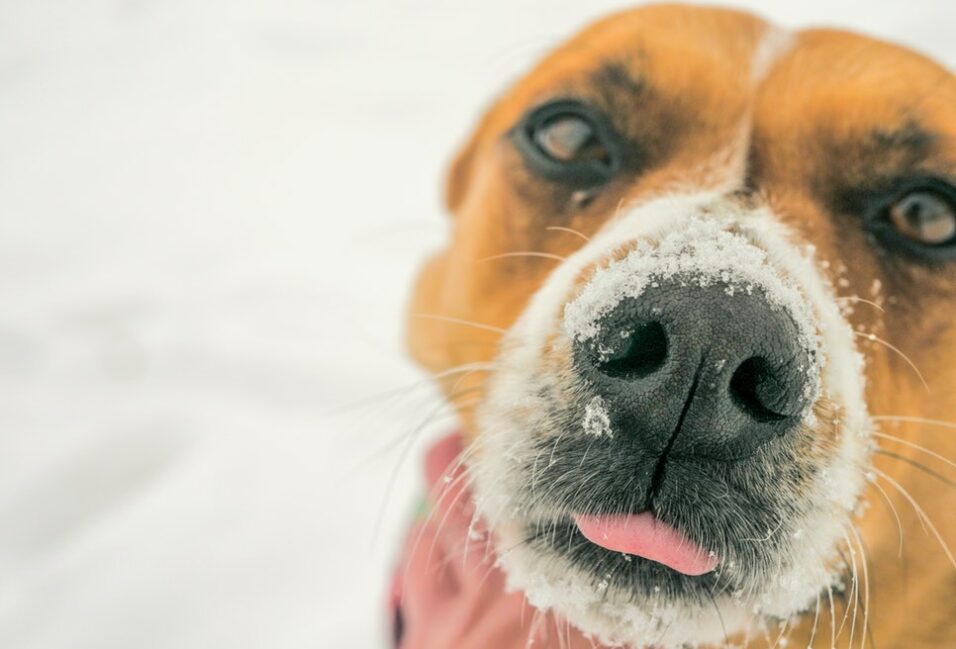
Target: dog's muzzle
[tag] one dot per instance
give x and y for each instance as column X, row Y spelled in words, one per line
column 677, row 413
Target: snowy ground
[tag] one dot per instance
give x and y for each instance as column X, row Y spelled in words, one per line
column 209, row 216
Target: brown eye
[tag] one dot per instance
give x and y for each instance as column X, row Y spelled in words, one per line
column 569, row 142
column 925, row 217
column 569, row 138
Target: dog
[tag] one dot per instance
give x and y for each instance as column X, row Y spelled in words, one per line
column 696, row 315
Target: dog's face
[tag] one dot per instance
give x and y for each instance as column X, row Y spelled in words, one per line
column 708, row 245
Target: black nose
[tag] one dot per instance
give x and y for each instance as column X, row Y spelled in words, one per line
column 698, row 371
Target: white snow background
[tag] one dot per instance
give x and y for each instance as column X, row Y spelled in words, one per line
column 210, row 214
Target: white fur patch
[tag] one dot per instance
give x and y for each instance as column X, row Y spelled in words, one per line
column 772, row 46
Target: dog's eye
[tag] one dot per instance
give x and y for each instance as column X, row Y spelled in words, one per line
column 924, row 217
column 570, row 142
column 917, row 219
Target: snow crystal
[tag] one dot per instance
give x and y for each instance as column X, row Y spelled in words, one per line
column 596, row 420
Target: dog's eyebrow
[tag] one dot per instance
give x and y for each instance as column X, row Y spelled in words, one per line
column 616, row 76
column 910, row 139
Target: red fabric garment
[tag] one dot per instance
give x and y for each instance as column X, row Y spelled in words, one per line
column 447, row 592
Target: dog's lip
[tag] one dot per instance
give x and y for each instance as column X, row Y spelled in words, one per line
column 644, row 535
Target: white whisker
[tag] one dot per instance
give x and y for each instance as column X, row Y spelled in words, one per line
column 833, row 635
column 558, row 228
column 921, row 513
column 897, row 350
column 915, row 420
column 460, row 321
column 896, row 515
column 393, row 476
column 816, row 620
column 426, row 382
column 856, row 298
column 902, row 441
column 866, row 584
column 523, row 253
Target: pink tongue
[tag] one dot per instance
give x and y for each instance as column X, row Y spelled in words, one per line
column 645, row 536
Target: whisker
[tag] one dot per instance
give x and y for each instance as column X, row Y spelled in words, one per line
column 460, row 321
column 392, row 443
column 921, row 513
column 393, row 476
column 447, row 489
column 877, row 339
column 854, row 596
column 857, row 298
column 896, row 514
column 783, row 630
column 557, row 630
column 915, row 420
column 461, row 379
column 720, row 617
column 900, row 440
column 918, row 465
column 356, row 470
column 558, row 228
column 384, row 396
column 464, row 457
column 463, row 478
column 816, row 620
column 617, row 210
column 845, row 595
column 533, row 629
column 833, row 635
column 523, row 253
column 866, row 583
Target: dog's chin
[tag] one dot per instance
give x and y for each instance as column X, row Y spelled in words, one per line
column 614, row 598
column 624, row 600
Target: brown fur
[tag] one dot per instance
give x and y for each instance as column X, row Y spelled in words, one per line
column 836, row 112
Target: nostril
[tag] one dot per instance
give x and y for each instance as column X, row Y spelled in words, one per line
column 643, row 352
column 757, row 390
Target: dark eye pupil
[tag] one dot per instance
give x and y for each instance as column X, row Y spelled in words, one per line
column 924, row 217
column 569, row 139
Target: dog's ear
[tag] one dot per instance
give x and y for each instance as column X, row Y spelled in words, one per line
column 459, row 174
